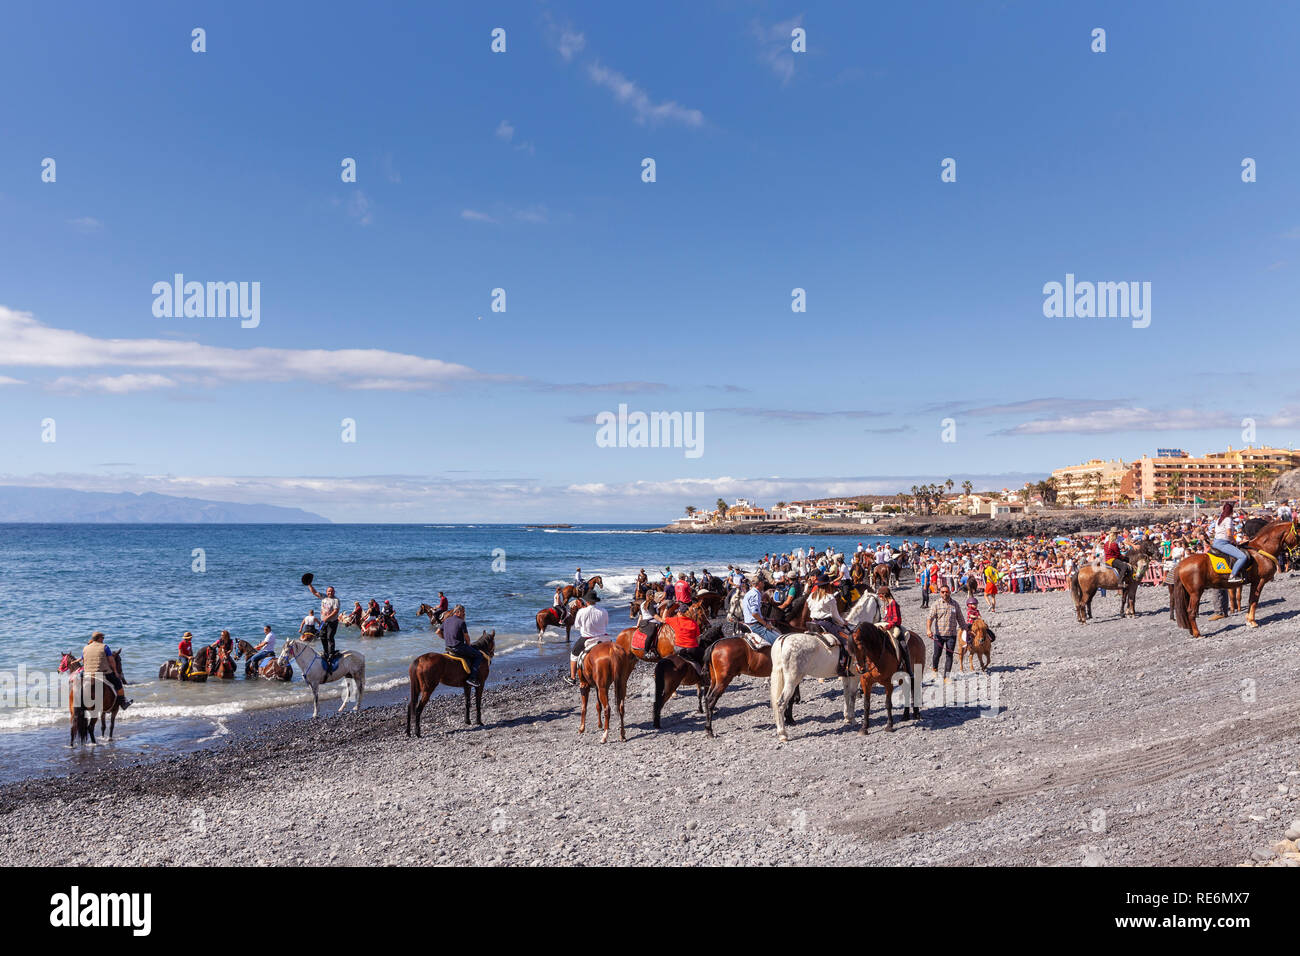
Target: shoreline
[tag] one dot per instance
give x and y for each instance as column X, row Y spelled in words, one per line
column 1047, row 524
column 1127, row 722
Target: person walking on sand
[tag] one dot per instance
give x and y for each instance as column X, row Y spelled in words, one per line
column 593, row 627
column 942, row 624
column 329, row 624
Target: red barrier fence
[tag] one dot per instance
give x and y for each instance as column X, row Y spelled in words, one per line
column 1054, row 580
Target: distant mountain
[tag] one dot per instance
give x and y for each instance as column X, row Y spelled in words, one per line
column 65, row 506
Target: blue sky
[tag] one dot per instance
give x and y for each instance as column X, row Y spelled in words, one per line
column 522, row 171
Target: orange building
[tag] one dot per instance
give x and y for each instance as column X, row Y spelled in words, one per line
column 1174, row 475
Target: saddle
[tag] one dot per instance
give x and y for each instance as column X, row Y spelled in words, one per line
column 1220, row 563
column 463, row 659
column 646, row 639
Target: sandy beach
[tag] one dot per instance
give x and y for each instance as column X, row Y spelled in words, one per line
column 1119, row 742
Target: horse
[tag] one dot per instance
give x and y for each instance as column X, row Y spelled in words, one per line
column 221, row 662
column 85, row 704
column 550, row 616
column 1195, row 573
column 351, row 669
column 435, row 616
column 429, row 670
column 1085, row 582
column 570, row 591
column 877, row 658
column 605, row 665
column 978, row 644
column 354, row 617
column 880, row 576
column 271, row 668
column 710, row 601
column 796, row 656
column 724, row 660
column 198, row 669
column 372, row 627
column 664, row 645
column 389, row 617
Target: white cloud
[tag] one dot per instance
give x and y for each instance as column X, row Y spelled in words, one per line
column 360, row 208
column 86, row 224
column 505, row 131
column 570, row 44
column 6, row 380
column 29, row 343
column 112, row 384
column 647, row 111
column 774, row 46
column 1104, row 421
column 473, row 215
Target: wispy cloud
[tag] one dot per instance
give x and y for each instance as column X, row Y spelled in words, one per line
column 584, row 388
column 505, row 131
column 473, row 215
column 798, row 414
column 360, row 208
column 774, row 46
column 86, row 224
column 29, row 343
column 647, row 111
column 1105, row 421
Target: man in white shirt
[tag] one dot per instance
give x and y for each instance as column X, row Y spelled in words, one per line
column 263, row 650
column 593, row 627
column 310, row 625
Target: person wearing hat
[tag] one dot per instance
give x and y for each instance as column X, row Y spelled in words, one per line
column 329, row 623
column 825, row 613
column 592, row 623
column 1110, row 553
column 942, row 624
column 97, row 661
column 455, row 635
column 185, row 654
column 309, row 627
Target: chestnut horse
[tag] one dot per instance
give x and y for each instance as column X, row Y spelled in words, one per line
column 551, row 617
column 606, row 665
column 435, row 616
column 1194, row 573
column 1085, row 582
column 89, row 698
column 571, row 591
column 429, row 670
column 877, row 657
column 271, row 668
column 978, row 645
column 665, row 645
column 725, row 659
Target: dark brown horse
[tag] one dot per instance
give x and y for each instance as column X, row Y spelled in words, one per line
column 725, row 659
column 553, row 617
column 665, row 640
column 435, row 617
column 88, row 698
column 878, row 659
column 197, row 673
column 1085, row 582
column 1195, row 573
column 271, row 668
column 429, row 670
column 606, row 665
column 571, row 591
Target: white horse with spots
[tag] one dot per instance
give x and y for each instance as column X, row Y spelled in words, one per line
column 351, row 669
column 796, row 656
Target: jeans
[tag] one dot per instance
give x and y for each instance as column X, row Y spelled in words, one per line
column 1231, row 550
column 258, row 658
column 765, row 633
column 327, row 630
column 944, row 644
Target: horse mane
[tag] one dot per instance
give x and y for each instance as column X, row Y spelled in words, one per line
column 871, row 637
column 486, row 642
column 1267, row 530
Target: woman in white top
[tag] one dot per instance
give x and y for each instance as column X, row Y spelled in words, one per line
column 1221, row 535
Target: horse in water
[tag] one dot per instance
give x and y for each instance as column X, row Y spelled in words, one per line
column 571, row 591
column 796, row 656
column 351, row 669
column 978, row 644
column 90, row 698
column 429, row 670
column 605, row 666
column 553, row 617
column 1085, row 582
column 435, row 616
column 354, row 617
column 271, row 668
column 197, row 673
column 1198, row 572
column 877, row 657
column 724, row 660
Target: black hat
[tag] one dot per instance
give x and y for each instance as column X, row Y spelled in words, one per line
column 307, row 578
column 592, row 597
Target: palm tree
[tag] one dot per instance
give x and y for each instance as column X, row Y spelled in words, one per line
column 1172, row 486
column 1071, row 496
column 722, row 508
column 967, row 487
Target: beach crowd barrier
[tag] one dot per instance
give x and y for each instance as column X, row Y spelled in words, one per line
column 1053, row 580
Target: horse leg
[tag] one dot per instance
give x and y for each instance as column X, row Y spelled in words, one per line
column 889, row 694
column 315, row 701
column 419, row 707
column 478, row 705
column 582, row 724
column 850, row 685
column 1193, row 605
column 602, row 708
column 467, row 705
column 1255, row 588
column 778, row 701
column 866, row 710
column 347, row 694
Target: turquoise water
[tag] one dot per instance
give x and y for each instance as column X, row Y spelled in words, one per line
column 137, row 583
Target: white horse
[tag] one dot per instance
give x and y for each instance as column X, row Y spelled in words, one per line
column 351, row 668
column 796, row 656
column 865, row 611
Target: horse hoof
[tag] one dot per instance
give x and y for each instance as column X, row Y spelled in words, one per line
column 890, row 728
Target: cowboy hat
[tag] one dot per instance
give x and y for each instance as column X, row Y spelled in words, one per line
column 308, row 578
column 592, row 598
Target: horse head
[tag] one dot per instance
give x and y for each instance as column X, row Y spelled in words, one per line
column 487, row 643
column 66, row 660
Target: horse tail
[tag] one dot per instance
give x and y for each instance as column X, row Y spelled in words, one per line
column 1179, row 596
column 1076, row 592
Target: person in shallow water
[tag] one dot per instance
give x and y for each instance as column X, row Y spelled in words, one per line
column 97, row 661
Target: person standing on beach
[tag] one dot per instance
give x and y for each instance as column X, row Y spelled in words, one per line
column 942, row 624
column 925, row 585
column 329, row 623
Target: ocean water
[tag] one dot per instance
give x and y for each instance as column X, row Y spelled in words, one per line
column 137, row 584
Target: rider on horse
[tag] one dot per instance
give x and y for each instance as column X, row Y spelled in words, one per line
column 1111, row 554
column 184, row 654
column 456, row 637
column 593, row 627
column 329, row 617
column 98, row 661
column 1221, row 536
column 825, row 612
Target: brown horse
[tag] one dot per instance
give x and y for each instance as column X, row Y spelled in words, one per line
column 221, row 663
column 197, row 673
column 725, row 659
column 665, row 640
column 435, row 616
column 372, row 627
column 978, row 645
column 88, row 698
column 551, row 617
column 571, row 591
column 1085, row 582
column 271, row 668
column 429, row 670
column 605, row 665
column 878, row 659
column 1195, row 574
